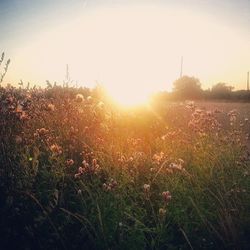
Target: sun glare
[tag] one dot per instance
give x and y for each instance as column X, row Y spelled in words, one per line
column 127, row 97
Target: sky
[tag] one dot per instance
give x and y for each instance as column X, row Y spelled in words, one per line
column 126, row 45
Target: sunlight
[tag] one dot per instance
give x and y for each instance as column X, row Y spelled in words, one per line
column 124, row 124
column 128, row 97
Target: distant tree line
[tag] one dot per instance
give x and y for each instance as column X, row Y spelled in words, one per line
column 189, row 88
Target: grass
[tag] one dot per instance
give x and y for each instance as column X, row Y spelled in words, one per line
column 76, row 172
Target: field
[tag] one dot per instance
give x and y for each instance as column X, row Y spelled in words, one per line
column 78, row 172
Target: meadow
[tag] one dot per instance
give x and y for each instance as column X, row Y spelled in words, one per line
column 78, row 172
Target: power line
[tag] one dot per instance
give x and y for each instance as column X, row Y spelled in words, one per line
column 181, row 66
column 248, row 81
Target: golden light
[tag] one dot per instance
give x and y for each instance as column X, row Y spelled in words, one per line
column 133, row 51
column 128, row 97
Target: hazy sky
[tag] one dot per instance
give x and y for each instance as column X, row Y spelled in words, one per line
column 125, row 44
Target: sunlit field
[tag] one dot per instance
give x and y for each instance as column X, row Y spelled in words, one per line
column 124, row 125
column 79, row 172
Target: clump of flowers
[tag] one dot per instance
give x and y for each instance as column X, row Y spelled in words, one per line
column 204, row 121
column 146, row 189
column 178, row 165
column 87, row 168
column 41, row 132
column 158, row 158
column 162, row 213
column 56, row 149
column 91, row 168
column 166, row 195
column 111, row 185
column 79, row 172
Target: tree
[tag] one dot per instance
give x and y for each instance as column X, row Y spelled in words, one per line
column 221, row 90
column 187, row 87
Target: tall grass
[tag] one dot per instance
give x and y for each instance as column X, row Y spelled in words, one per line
column 80, row 173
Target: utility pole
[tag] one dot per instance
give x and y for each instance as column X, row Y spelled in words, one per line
column 248, row 81
column 181, row 66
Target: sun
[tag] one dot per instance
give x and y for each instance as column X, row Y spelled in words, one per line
column 128, row 96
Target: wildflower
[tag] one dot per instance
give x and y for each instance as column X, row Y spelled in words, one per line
column 51, row 107
column 89, row 99
column 85, row 164
column 42, row 131
column 181, row 162
column 175, row 166
column 109, row 186
column 106, row 187
column 131, row 158
column 56, row 149
column 164, row 137
column 77, row 175
column 69, row 162
column 18, row 139
column 157, row 158
column 146, row 188
column 90, row 168
column 94, row 167
column 122, row 159
column 166, row 195
column 80, row 172
column 79, row 98
column 113, row 183
column 162, row 212
column 232, row 116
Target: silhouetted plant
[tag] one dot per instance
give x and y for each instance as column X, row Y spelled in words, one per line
column 5, row 69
